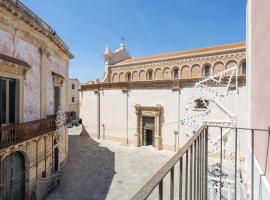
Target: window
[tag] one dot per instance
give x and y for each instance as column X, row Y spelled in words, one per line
column 150, row 75
column 176, row 73
column 73, row 99
column 9, row 101
column 201, row 104
column 129, row 77
column 73, row 86
column 244, row 68
column 206, row 71
column 57, row 96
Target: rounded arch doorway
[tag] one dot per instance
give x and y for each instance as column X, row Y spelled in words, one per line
column 13, row 176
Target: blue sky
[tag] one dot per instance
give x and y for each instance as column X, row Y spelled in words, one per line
column 149, row 27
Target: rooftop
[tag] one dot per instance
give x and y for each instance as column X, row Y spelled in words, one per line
column 215, row 49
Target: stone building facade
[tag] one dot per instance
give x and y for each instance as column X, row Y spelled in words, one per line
column 74, row 97
column 140, row 100
column 34, row 68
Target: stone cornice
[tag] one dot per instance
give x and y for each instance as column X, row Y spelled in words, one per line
column 154, row 84
column 18, row 9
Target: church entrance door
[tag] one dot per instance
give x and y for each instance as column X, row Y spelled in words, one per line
column 148, row 131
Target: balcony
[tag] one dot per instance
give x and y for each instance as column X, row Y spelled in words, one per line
column 16, row 133
column 216, row 163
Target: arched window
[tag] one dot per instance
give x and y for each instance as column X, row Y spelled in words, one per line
column 176, row 73
column 149, row 75
column 206, row 71
column 128, row 76
column 244, row 69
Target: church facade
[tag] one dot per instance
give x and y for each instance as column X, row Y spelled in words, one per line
column 141, row 101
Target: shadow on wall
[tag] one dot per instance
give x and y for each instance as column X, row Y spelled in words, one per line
column 89, row 172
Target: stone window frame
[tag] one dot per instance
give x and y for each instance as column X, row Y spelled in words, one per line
column 14, row 68
column 149, row 111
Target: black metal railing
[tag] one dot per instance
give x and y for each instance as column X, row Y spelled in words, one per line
column 216, row 163
column 192, row 171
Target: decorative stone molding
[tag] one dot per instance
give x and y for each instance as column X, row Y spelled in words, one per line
column 149, row 111
column 169, row 84
column 13, row 65
column 57, row 79
column 18, row 9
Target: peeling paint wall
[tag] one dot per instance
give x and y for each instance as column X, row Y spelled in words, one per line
column 15, row 47
column 58, row 67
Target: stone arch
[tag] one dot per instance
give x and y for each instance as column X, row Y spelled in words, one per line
column 167, row 73
column 196, row 71
column 242, row 67
column 158, row 74
column 142, row 76
column 231, row 64
column 175, row 72
column 135, row 76
column 115, row 77
column 21, row 173
column 121, row 77
column 218, row 67
column 185, row 72
column 150, row 74
column 206, row 70
column 128, row 76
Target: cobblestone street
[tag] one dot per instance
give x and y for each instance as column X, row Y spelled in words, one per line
column 105, row 170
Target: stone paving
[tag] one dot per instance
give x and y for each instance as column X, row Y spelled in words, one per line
column 98, row 170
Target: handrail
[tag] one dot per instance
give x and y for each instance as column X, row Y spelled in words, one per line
column 19, row 132
column 147, row 189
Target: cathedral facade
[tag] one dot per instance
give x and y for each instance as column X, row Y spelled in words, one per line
column 142, row 101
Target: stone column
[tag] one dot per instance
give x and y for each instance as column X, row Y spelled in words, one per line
column 43, row 82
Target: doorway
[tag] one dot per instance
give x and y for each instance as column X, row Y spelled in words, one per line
column 148, row 137
column 13, row 177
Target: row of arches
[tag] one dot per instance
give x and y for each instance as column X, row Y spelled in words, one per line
column 185, row 72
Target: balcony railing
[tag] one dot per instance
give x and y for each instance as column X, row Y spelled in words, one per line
column 216, row 163
column 15, row 133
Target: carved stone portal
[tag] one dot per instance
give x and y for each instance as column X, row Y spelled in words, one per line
column 149, row 125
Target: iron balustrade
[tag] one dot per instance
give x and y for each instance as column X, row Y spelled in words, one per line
column 196, row 171
column 19, row 132
column 196, row 188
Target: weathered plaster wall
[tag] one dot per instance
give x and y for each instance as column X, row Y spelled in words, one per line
column 15, row 47
column 55, row 65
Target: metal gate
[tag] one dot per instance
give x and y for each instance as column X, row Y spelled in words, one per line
column 13, row 177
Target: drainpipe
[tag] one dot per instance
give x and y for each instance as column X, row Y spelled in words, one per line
column 98, row 113
column 178, row 120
